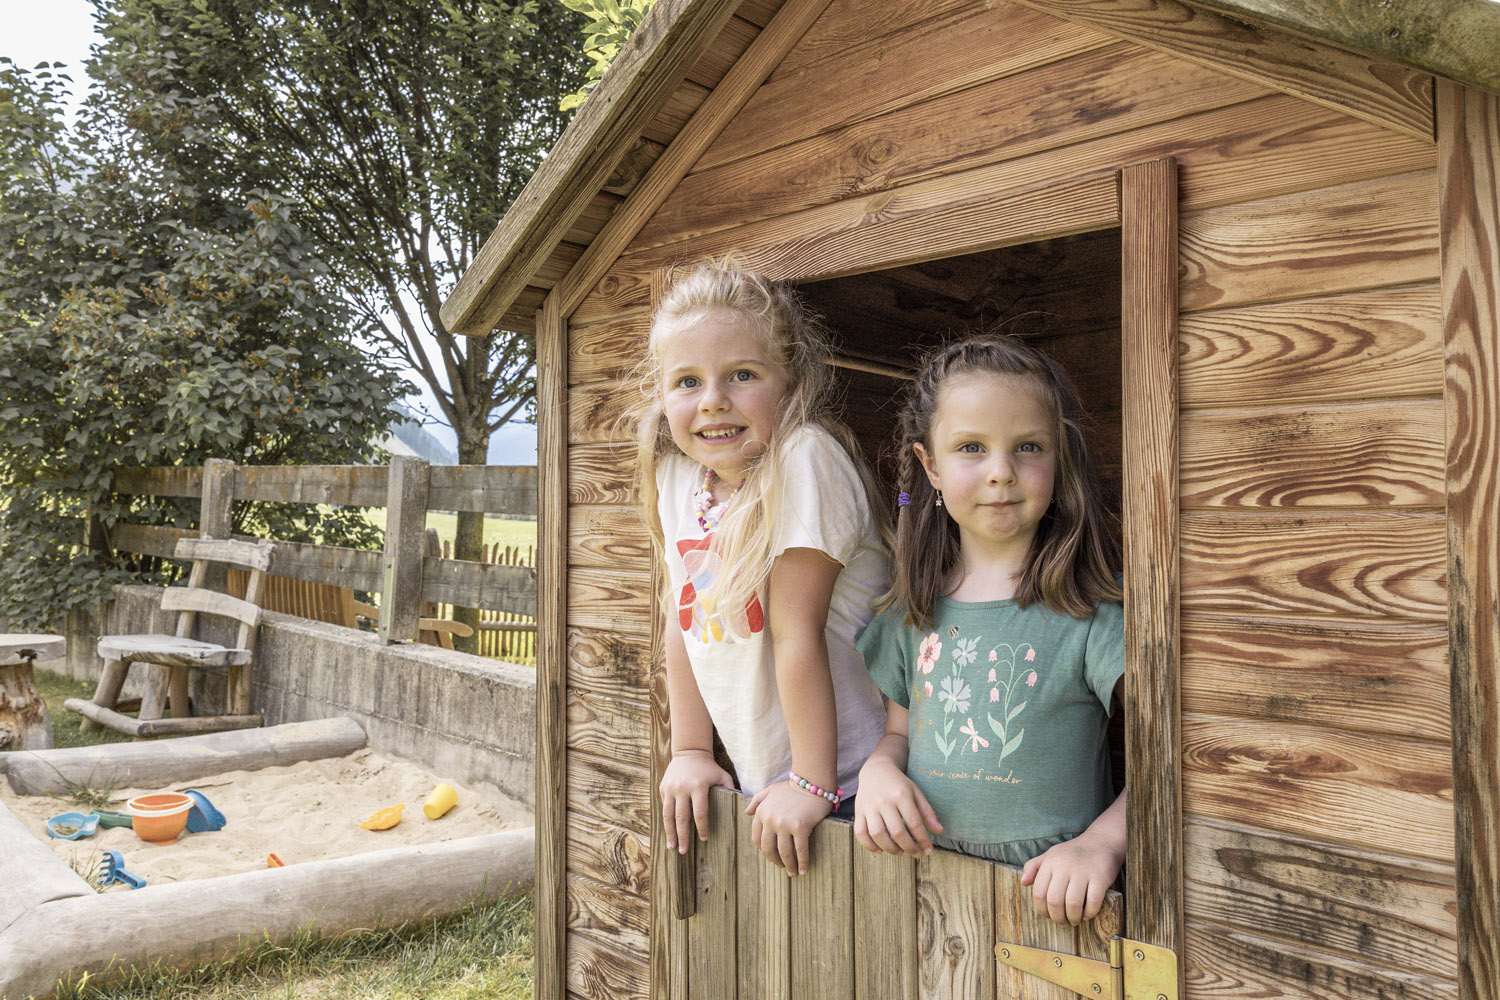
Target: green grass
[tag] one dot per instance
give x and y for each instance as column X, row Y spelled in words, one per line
column 481, row 953
column 57, row 688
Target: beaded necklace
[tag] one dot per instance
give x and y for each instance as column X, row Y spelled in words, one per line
column 703, row 499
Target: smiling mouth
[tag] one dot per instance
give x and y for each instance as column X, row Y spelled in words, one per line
column 720, row 434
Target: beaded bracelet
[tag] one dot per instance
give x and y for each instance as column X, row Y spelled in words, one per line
column 836, row 796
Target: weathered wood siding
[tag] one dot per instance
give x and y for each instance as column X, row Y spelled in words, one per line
column 1317, row 782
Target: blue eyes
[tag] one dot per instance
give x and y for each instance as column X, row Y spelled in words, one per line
column 742, row 376
column 975, row 448
column 693, row 382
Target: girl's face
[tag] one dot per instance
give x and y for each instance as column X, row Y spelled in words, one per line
column 993, row 452
column 720, row 391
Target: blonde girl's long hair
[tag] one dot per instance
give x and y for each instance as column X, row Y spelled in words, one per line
column 793, row 338
column 1074, row 556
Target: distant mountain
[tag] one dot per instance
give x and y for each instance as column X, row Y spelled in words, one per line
column 417, row 441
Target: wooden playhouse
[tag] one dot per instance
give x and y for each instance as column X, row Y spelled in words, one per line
column 1264, row 236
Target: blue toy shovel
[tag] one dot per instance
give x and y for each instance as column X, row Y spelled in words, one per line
column 203, row 816
column 72, row 825
column 112, row 870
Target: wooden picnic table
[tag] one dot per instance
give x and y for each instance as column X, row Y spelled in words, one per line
column 24, row 724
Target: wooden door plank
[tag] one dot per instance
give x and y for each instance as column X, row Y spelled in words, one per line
column 1153, row 865
column 1384, row 93
column 822, row 917
column 1375, row 344
column 1316, row 782
column 1368, row 235
column 1017, row 922
column 712, row 965
column 607, row 912
column 551, row 650
column 956, row 926
column 1385, row 453
column 1366, row 904
column 1469, row 177
column 764, row 948
column 1359, row 563
column 887, row 959
column 1370, row 675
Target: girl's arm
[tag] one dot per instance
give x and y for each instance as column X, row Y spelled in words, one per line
column 891, row 814
column 1069, row 881
column 799, row 592
column 692, row 770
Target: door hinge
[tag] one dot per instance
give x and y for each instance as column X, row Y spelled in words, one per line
column 1135, row 970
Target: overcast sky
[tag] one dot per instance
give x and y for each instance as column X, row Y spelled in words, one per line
column 62, row 31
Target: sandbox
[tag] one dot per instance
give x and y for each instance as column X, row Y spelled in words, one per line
column 53, row 924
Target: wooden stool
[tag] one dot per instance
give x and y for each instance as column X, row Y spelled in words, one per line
column 24, row 724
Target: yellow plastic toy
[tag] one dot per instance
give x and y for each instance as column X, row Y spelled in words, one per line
column 442, row 799
column 384, row 819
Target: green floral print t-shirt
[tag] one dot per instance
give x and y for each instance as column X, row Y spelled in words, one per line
column 1008, row 715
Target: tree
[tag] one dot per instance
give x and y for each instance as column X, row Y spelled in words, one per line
column 144, row 321
column 404, row 130
column 610, row 26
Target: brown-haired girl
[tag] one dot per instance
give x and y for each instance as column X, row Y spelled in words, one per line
column 774, row 559
column 1003, row 642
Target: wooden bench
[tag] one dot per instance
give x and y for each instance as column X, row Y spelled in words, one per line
column 171, row 656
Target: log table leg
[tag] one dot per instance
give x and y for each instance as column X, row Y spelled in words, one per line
column 24, row 724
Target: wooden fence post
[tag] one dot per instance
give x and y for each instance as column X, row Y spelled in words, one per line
column 405, row 547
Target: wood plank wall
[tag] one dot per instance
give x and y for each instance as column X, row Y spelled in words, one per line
column 1317, row 783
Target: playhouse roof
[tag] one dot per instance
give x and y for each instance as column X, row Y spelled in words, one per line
column 631, row 142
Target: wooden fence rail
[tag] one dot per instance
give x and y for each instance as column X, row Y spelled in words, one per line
column 857, row 924
column 404, row 574
column 505, row 635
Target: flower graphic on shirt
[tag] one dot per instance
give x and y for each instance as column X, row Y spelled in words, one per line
column 1006, row 689
column 927, row 656
column 697, row 612
column 975, row 740
column 928, row 692
column 954, row 695
column 964, row 652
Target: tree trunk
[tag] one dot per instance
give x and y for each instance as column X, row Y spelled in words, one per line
column 468, row 543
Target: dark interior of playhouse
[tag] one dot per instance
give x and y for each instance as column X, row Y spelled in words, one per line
column 1062, row 295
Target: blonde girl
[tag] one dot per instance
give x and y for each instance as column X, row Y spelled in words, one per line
column 773, row 557
column 1003, row 644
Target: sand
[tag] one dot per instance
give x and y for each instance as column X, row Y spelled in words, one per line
column 303, row 812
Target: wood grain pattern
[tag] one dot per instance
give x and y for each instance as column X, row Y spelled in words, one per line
column 1380, row 92
column 602, row 474
column 1124, row 88
column 1364, row 563
column 1317, row 782
column 676, row 113
column 1148, row 318
column 1256, row 149
column 1366, row 235
column 402, row 572
column 887, row 938
column 1386, row 453
column 956, row 926
column 612, row 600
column 608, row 349
column 928, row 60
column 727, row 49
column 1017, row 922
column 847, row 23
column 1469, row 177
column 1367, row 904
column 822, row 916
column 1367, row 675
column 610, row 789
column 764, row 948
column 609, row 727
column 1226, row 963
column 609, row 854
column 601, row 412
column 607, row 663
column 712, row 967
column 551, row 664
column 1364, row 345
column 607, row 912
column 600, row 970
column 608, row 538
column 739, row 83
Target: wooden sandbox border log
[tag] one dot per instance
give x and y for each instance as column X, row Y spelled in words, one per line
column 53, row 926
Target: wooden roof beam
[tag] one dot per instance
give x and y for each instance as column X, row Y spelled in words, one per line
column 649, row 67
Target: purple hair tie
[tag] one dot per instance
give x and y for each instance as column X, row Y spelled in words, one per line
column 903, row 499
